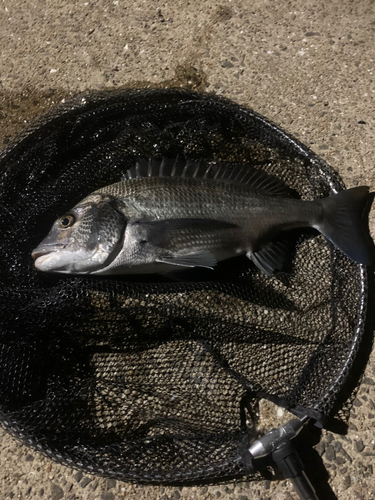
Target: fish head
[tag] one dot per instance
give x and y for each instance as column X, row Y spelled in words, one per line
column 84, row 239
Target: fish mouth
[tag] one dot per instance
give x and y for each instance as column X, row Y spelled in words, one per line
column 57, row 258
column 45, row 250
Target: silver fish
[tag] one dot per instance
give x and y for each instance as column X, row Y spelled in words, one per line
column 173, row 215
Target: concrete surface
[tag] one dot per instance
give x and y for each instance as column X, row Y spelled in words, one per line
column 308, row 66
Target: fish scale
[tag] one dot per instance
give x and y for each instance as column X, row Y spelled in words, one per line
column 182, row 197
column 196, row 217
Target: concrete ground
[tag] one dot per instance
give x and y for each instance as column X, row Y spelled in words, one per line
column 308, row 66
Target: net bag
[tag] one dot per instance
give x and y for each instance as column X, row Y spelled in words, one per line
column 147, row 378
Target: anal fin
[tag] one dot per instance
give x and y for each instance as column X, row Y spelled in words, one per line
column 275, row 256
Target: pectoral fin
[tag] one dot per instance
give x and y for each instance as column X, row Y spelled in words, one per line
column 198, row 259
column 163, row 232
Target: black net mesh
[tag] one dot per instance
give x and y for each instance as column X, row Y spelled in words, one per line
column 146, row 378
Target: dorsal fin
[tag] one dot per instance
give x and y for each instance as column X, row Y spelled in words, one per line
column 241, row 173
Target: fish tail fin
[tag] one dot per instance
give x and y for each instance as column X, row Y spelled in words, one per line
column 345, row 223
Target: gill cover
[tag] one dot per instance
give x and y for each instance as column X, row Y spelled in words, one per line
column 93, row 241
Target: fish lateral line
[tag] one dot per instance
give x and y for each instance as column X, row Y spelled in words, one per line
column 191, row 220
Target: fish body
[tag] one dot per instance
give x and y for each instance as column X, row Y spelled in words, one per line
column 152, row 223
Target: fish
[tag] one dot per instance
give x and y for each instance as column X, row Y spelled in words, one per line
column 173, row 214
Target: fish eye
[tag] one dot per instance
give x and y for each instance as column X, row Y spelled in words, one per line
column 66, row 221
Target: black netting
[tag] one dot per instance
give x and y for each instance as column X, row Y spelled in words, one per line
column 146, row 378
